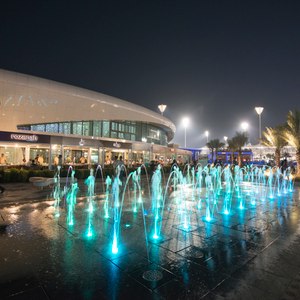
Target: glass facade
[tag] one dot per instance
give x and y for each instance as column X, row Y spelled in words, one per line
column 128, row 130
column 43, row 154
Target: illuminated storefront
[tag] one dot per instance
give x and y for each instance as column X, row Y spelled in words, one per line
column 46, row 119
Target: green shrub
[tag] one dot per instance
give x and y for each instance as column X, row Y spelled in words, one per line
column 23, row 174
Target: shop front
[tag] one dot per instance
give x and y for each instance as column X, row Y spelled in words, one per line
column 49, row 150
column 23, row 149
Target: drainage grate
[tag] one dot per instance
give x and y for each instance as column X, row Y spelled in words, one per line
column 152, row 275
column 196, row 253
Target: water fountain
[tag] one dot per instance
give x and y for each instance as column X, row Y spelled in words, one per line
column 206, row 194
column 90, row 182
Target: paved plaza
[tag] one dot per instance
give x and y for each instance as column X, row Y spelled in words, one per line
column 249, row 254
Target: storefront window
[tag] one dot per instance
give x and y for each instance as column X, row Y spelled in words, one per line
column 86, row 128
column 114, row 126
column 12, row 155
column 106, row 129
column 39, row 155
column 55, row 152
column 96, row 128
column 94, row 156
column 52, row 127
column 133, row 131
column 65, row 128
column 77, row 128
column 113, row 134
column 75, row 156
column 38, row 127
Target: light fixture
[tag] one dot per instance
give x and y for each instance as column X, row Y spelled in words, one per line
column 245, row 126
column 186, row 122
column 162, row 108
column 117, row 145
column 81, row 142
column 206, row 134
column 259, row 111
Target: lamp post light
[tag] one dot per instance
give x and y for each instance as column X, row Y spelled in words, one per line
column 206, row 134
column 162, row 108
column 185, row 122
column 245, row 126
column 259, row 111
column 225, row 139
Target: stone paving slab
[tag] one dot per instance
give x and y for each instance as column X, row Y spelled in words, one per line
column 252, row 255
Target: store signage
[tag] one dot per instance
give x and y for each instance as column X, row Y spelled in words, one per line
column 6, row 136
column 24, row 137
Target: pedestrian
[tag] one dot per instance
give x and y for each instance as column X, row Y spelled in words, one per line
column 121, row 167
column 3, row 159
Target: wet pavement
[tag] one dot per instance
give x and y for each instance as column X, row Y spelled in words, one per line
column 249, row 254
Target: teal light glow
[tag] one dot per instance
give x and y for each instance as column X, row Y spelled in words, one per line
column 155, row 236
column 91, row 207
column 185, row 225
column 199, row 205
column 115, row 249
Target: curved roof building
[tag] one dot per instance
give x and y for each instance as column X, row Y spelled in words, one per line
column 51, row 118
column 27, row 100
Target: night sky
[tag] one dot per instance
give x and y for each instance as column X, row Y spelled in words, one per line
column 212, row 61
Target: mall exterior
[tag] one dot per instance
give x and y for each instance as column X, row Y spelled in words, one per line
column 44, row 117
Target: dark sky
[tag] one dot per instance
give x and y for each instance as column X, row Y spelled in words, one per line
column 212, row 61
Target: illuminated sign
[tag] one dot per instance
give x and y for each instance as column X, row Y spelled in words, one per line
column 117, row 145
column 24, row 137
column 6, row 136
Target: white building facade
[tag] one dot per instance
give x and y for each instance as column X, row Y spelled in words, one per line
column 39, row 116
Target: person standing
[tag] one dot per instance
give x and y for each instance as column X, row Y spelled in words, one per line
column 115, row 164
column 122, row 168
column 82, row 160
column 3, row 159
column 56, row 160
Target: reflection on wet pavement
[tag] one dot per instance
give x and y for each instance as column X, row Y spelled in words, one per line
column 244, row 255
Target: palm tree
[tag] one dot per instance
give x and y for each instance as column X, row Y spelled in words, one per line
column 232, row 147
column 292, row 134
column 239, row 140
column 273, row 137
column 214, row 145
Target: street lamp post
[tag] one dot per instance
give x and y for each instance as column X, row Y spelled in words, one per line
column 225, row 139
column 162, row 108
column 206, row 134
column 259, row 111
column 186, row 122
